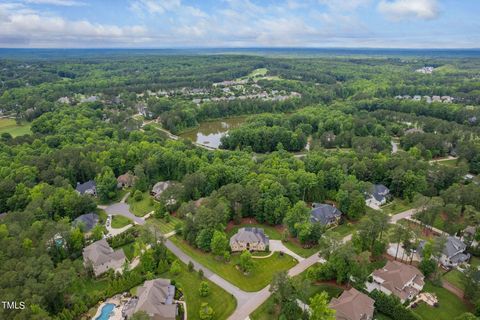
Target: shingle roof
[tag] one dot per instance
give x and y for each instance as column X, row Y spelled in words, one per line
column 83, row 187
column 353, row 305
column 88, row 220
column 453, row 246
column 250, row 235
column 100, row 252
column 324, row 213
column 396, row 275
column 379, row 192
column 155, row 297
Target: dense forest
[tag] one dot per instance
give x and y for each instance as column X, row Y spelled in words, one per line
column 96, row 118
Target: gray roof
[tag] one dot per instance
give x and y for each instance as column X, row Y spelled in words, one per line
column 453, row 246
column 250, row 235
column 88, row 221
column 379, row 192
column 155, row 297
column 324, row 213
column 83, row 187
column 100, row 252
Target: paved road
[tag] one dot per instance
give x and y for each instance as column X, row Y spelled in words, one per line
column 123, row 209
column 402, row 215
column 277, row 245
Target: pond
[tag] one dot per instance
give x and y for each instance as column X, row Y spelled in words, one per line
column 209, row 133
column 106, row 311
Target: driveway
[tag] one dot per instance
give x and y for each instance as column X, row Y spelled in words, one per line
column 123, row 209
column 277, row 245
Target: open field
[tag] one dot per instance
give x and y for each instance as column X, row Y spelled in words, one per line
column 450, row 306
column 261, row 276
column 10, row 126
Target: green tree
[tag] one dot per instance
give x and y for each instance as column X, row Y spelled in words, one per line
column 219, row 243
column 206, row 312
column 106, row 184
column 298, row 214
column 319, row 308
column 204, row 289
column 175, row 268
column 137, row 195
column 97, row 232
column 246, row 262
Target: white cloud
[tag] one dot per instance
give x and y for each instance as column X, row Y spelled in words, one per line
column 66, row 3
column 26, row 27
column 407, row 9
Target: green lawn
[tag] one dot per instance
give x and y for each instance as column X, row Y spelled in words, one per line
column 118, row 197
column 128, row 250
column 450, row 163
column 222, row 302
column 450, row 306
column 120, row 221
column 10, row 126
column 475, row 262
column 298, row 249
column 142, row 207
column 262, row 273
column 454, row 277
column 163, row 226
column 396, row 206
column 266, row 310
column 344, row 229
column 381, row 316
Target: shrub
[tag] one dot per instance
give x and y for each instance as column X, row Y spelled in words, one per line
column 137, row 195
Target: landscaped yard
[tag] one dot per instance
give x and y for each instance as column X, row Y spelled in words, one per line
column 475, row 262
column 397, row 206
column 450, row 306
column 222, row 302
column 454, row 277
column 128, row 249
column 142, row 207
column 118, row 197
column 10, row 126
column 262, row 273
column 344, row 229
column 162, row 225
column 120, row 221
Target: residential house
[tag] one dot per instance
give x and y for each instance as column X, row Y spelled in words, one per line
column 454, row 253
column 252, row 239
column 103, row 258
column 377, row 196
column 353, row 305
column 156, row 298
column 159, row 188
column 326, row 214
column 86, row 222
column 402, row 280
column 126, row 180
column 88, row 188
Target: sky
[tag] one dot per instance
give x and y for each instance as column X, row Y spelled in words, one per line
column 239, row 23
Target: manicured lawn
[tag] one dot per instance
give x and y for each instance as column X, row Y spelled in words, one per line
column 10, row 126
column 454, row 277
column 475, row 262
column 162, row 225
column 120, row 221
column 262, row 273
column 381, row 316
column 450, row 163
column 450, row 306
column 396, row 206
column 344, row 229
column 142, row 207
column 298, row 249
column 222, row 302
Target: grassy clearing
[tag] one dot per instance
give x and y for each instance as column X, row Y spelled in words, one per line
column 449, row 163
column 298, row 249
column 455, row 277
column 142, row 207
column 450, row 306
column 262, row 273
column 222, row 302
column 162, row 225
column 397, row 206
column 128, row 250
column 10, row 126
column 475, row 262
column 120, row 222
column 344, row 229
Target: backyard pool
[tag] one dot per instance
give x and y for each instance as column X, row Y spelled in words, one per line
column 106, row 311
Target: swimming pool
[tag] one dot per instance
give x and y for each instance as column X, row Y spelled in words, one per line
column 106, row 311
